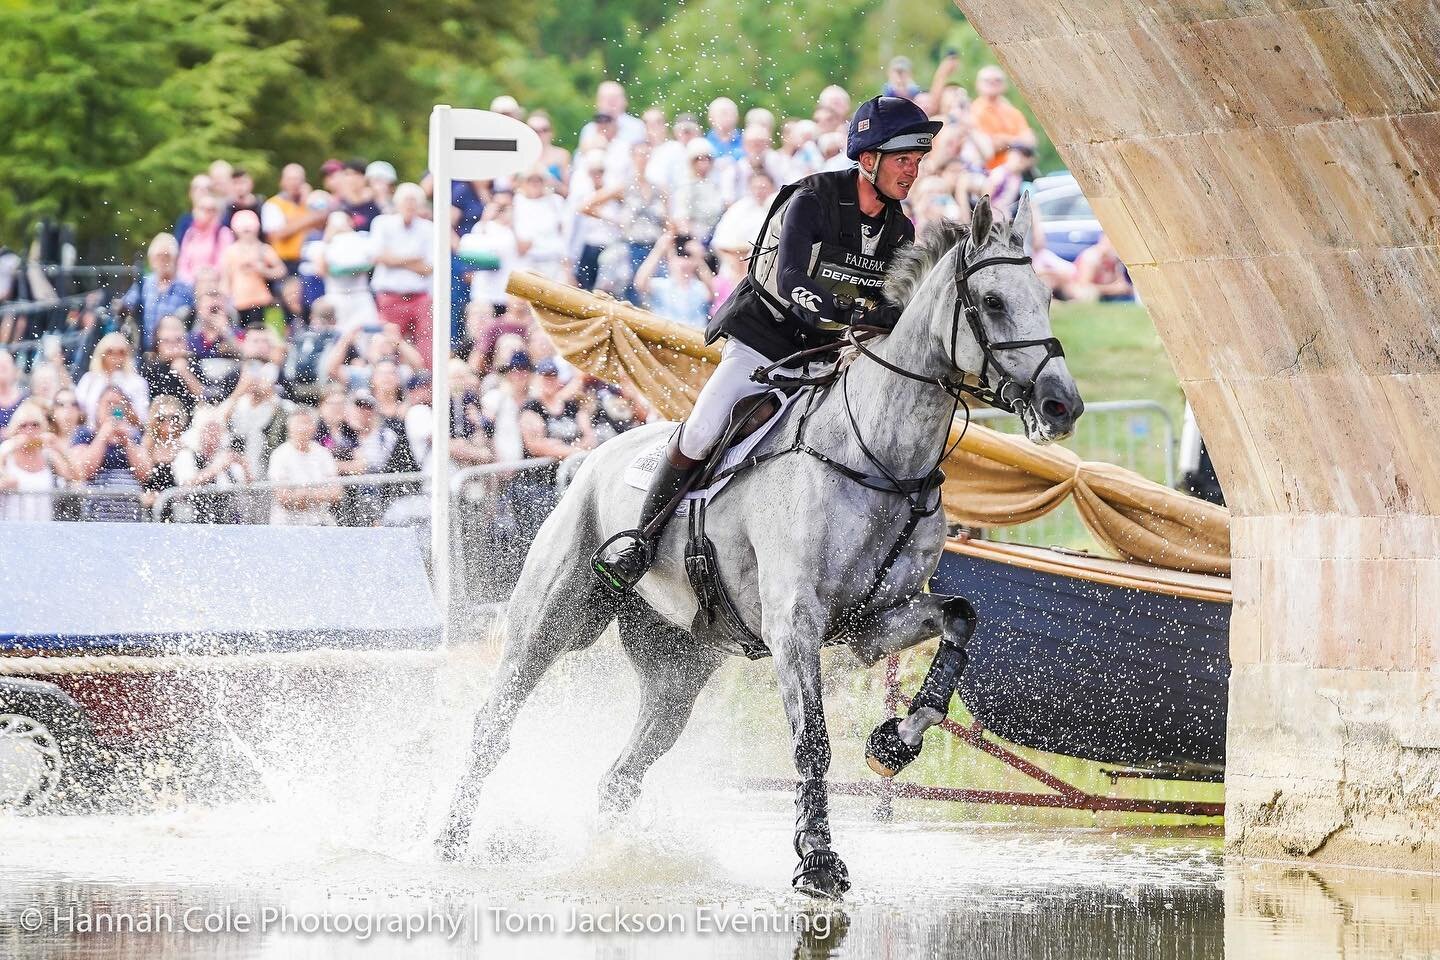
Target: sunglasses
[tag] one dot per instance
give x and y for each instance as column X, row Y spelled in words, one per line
column 29, row 423
column 65, row 403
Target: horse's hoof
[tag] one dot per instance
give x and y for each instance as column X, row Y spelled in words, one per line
column 886, row 753
column 822, row 874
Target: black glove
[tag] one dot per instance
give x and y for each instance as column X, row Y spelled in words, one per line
column 884, row 315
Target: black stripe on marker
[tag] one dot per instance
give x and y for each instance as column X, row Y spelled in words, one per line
column 502, row 146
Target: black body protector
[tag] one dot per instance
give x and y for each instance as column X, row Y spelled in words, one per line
column 819, row 265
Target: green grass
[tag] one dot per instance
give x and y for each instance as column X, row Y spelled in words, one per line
column 1114, row 353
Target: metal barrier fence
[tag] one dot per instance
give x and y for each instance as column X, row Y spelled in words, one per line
column 1138, row 435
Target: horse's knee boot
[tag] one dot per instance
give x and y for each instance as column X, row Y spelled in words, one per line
column 950, row 658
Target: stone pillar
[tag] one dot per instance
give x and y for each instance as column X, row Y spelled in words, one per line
column 1270, row 171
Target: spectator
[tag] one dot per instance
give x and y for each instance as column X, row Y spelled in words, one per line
column 901, row 80
column 554, row 160
column 513, row 317
column 380, row 178
column 34, row 463
column 255, row 413
column 331, row 430
column 610, row 101
column 491, row 251
column 199, row 187
column 997, row 117
column 344, row 258
column 507, row 106
column 646, row 213
column 214, row 333
column 740, row 226
column 11, row 395
column 724, row 133
column 209, row 460
column 667, row 156
column 205, row 240
column 247, row 268
column 684, row 294
column 294, row 311
column 468, row 444
column 159, row 293
column 932, row 202
column 597, row 214
column 332, row 171
column 46, row 380
column 501, row 406
column 799, row 154
column 609, row 411
column 173, row 371
column 242, row 196
column 1099, row 275
column 1007, row 181
column 836, row 99
column 287, row 219
column 300, row 460
column 65, row 415
column 106, row 456
column 825, row 122
column 757, row 155
column 1057, row 272
column 541, row 228
column 161, row 445
column 222, row 180
column 762, row 118
column 550, row 422
column 375, row 447
column 355, row 196
column 112, row 365
column 403, row 264
column 386, row 387
column 700, row 202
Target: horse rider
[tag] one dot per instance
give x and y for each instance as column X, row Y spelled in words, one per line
column 818, row 266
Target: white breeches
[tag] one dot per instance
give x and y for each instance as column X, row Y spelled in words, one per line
column 728, row 385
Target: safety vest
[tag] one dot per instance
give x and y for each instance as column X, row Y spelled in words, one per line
column 759, row 312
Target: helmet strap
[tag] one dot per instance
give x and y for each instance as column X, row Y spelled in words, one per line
column 871, row 175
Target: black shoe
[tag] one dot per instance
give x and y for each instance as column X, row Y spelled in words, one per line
column 623, row 559
column 621, row 563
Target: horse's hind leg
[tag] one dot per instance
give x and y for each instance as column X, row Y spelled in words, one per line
column 673, row 670
column 571, row 615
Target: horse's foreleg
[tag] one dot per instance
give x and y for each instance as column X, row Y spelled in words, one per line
column 821, row 872
column 896, row 742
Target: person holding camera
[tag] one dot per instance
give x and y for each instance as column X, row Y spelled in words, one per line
column 173, row 371
column 108, row 455
column 684, row 293
column 34, row 462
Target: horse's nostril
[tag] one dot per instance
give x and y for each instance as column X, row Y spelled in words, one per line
column 1054, row 409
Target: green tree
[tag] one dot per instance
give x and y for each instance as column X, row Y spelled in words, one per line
column 108, row 105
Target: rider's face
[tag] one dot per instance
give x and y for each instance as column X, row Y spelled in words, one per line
column 897, row 173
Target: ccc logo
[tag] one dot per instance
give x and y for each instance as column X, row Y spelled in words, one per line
column 808, row 299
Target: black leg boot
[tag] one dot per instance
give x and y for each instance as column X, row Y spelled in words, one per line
column 623, row 560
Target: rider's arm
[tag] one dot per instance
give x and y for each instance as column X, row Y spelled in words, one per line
column 810, row 302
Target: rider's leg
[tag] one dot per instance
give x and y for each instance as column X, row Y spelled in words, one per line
column 621, row 565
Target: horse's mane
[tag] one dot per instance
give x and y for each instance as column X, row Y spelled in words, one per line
column 912, row 264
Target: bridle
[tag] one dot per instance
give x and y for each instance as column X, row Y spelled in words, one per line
column 1006, row 392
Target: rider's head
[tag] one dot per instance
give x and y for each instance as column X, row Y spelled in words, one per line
column 888, row 136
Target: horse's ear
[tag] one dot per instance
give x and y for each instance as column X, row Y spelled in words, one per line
column 1020, row 226
column 981, row 221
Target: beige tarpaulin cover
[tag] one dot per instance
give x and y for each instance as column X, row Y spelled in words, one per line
column 992, row 480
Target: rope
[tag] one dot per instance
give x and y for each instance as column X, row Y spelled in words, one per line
column 321, row 659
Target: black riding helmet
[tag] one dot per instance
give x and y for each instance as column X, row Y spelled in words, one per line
column 890, row 125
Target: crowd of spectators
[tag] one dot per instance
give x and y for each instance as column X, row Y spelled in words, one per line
column 287, row 338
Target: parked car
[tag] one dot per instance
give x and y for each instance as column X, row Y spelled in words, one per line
column 1065, row 215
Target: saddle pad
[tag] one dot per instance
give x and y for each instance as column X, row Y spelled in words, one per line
column 643, row 466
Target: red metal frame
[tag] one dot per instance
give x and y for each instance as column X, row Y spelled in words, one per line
column 1066, row 796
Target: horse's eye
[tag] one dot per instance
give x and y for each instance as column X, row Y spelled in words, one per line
column 993, row 302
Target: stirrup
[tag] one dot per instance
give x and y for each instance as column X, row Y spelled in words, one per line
column 612, row 579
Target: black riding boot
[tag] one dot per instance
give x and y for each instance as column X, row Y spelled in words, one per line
column 623, row 561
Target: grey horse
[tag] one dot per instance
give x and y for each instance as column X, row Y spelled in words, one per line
column 803, row 548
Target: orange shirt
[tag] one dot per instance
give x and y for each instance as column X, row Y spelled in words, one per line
column 1000, row 120
column 289, row 248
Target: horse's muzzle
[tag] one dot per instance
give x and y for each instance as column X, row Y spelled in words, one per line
column 1056, row 405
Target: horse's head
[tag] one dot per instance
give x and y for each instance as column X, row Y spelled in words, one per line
column 989, row 317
